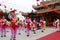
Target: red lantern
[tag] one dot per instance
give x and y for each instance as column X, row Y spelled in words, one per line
column 37, row 0
column 4, row 6
column 10, row 8
column 0, row 4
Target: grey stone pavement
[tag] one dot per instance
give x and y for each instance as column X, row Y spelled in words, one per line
column 32, row 36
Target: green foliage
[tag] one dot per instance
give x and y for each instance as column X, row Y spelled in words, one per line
column 5, row 14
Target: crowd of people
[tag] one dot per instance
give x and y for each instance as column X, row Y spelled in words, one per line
column 15, row 25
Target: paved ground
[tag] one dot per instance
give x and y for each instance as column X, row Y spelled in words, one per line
column 32, row 36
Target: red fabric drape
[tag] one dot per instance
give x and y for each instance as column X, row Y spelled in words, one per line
column 1, row 12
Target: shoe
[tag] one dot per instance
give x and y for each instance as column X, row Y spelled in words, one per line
column 1, row 36
column 19, row 33
column 4, row 35
column 42, row 31
column 14, row 39
column 27, row 35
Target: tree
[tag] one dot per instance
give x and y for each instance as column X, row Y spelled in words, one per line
column 5, row 14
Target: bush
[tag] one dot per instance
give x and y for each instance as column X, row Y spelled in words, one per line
column 6, row 15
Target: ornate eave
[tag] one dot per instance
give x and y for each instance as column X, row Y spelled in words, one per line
column 42, row 9
column 47, row 10
column 47, row 3
column 52, row 2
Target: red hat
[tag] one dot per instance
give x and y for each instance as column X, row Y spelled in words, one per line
column 1, row 12
column 13, row 11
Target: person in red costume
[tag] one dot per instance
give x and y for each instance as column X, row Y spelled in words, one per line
column 34, row 25
column 13, row 25
column 3, row 28
column 20, row 26
column 2, row 24
column 42, row 25
column 27, row 21
column 57, row 24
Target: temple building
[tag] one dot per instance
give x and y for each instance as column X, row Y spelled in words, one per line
column 49, row 10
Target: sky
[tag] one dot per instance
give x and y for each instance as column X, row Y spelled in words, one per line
column 19, row 5
column 23, row 5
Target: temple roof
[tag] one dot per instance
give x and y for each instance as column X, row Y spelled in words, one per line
column 42, row 9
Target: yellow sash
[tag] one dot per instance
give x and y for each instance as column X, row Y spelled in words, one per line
column 8, row 23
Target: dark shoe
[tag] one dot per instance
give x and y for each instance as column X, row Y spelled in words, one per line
column 1, row 36
column 42, row 31
column 19, row 33
column 27, row 35
column 4, row 35
column 14, row 39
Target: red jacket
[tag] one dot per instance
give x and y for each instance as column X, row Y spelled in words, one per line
column 13, row 25
column 28, row 26
column 41, row 24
